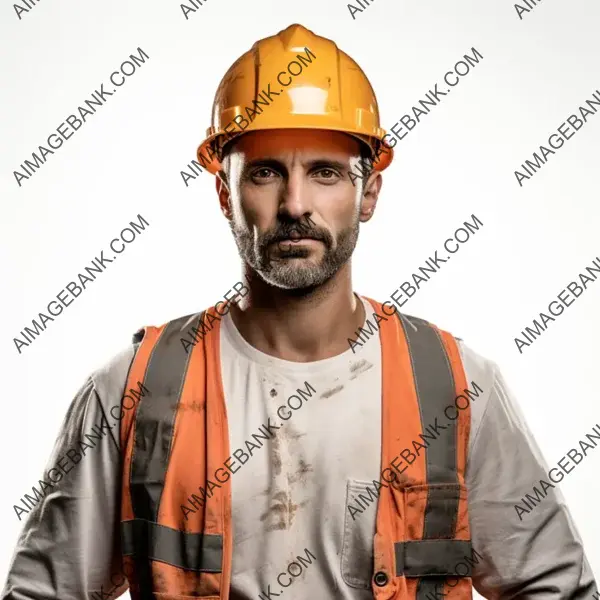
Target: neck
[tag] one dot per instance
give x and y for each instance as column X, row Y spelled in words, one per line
column 299, row 326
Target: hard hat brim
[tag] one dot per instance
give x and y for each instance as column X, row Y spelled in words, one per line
column 210, row 153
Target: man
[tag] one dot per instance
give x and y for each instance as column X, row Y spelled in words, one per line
column 297, row 435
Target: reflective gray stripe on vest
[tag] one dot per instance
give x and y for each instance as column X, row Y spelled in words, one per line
column 191, row 551
column 155, row 417
column 435, row 387
column 438, row 558
column 154, row 424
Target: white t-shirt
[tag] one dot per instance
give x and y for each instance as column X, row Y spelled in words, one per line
column 289, row 498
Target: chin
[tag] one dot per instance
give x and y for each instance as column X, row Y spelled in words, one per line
column 294, row 276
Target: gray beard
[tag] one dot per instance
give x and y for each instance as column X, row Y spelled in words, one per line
column 284, row 271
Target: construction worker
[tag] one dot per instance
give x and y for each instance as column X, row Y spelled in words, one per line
column 296, row 438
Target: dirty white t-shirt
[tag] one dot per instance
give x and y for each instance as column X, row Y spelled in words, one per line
column 289, row 498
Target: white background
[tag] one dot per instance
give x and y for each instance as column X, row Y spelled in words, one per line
column 458, row 161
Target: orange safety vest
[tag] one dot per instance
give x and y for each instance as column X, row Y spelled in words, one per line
column 175, row 439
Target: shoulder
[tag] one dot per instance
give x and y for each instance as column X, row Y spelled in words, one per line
column 477, row 366
column 484, row 372
column 109, row 379
column 485, row 386
column 106, row 386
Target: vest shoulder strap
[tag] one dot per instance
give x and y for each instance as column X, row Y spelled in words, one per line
column 167, row 551
column 425, row 442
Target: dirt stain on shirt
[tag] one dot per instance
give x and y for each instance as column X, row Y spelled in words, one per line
column 359, row 367
column 276, row 456
column 280, row 514
column 332, row 391
column 300, row 475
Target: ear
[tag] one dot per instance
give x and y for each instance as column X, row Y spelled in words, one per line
column 224, row 194
column 370, row 194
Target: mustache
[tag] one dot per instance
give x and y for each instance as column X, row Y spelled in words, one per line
column 284, row 233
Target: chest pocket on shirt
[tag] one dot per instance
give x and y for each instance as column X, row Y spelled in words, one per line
column 360, row 515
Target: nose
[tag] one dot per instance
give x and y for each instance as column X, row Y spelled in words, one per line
column 296, row 202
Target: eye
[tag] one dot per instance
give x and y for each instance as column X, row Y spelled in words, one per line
column 327, row 174
column 262, row 173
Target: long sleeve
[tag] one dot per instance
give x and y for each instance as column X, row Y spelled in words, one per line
column 533, row 555
column 69, row 548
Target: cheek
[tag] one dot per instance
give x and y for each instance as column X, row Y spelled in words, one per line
column 338, row 207
column 250, row 203
column 257, row 205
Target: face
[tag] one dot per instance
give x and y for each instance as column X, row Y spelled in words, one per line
column 293, row 210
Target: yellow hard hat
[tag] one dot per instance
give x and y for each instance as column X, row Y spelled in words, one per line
column 294, row 80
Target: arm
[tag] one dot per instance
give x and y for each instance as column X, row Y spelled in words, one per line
column 540, row 555
column 69, row 546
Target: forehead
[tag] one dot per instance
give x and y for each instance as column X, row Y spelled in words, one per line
column 287, row 144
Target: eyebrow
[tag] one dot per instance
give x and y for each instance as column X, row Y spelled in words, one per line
column 310, row 164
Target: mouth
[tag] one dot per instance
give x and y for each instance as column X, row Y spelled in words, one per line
column 294, row 236
column 286, row 244
column 299, row 234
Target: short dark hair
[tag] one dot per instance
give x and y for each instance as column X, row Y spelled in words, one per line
column 366, row 158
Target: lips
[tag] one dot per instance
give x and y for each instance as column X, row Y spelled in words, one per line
column 294, row 236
